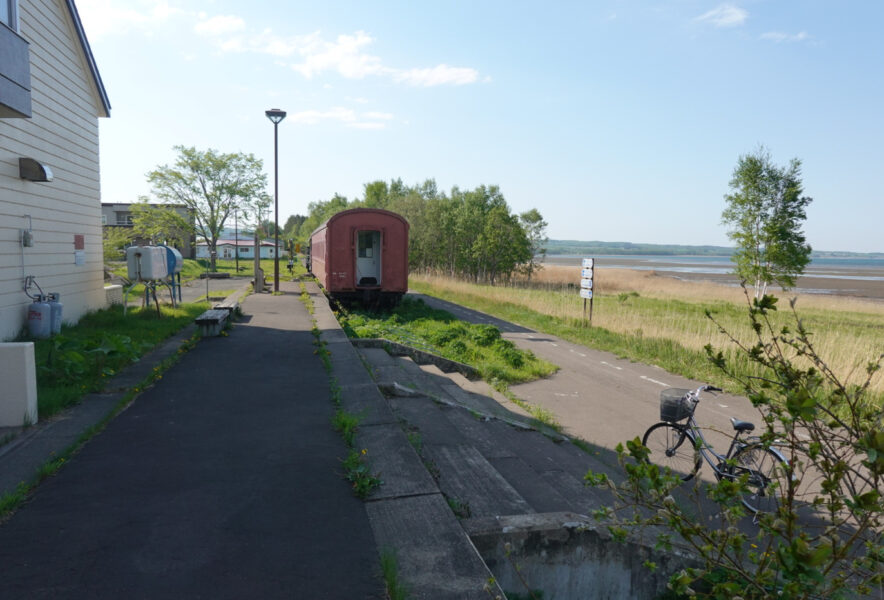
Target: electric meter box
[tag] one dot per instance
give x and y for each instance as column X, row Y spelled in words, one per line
column 146, row 263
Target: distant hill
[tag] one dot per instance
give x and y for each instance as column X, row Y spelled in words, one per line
column 559, row 247
column 556, row 247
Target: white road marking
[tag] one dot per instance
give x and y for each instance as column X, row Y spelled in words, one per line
column 607, row 364
column 723, row 405
column 582, row 354
column 655, row 381
column 554, row 344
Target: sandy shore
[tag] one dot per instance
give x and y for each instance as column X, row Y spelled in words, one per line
column 865, row 283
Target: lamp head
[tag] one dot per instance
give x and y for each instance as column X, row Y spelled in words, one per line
column 275, row 115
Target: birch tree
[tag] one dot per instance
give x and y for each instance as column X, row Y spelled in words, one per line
column 764, row 214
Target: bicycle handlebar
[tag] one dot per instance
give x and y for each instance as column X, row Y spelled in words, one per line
column 704, row 388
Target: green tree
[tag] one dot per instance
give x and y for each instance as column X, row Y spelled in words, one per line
column 535, row 231
column 292, row 227
column 160, row 224
column 211, row 184
column 320, row 211
column 764, row 214
column 114, row 241
column 822, row 537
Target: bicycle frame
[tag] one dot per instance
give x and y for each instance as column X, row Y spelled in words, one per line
column 713, row 458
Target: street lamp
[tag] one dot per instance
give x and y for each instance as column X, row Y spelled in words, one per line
column 275, row 115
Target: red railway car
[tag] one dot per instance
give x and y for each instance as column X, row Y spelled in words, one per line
column 361, row 255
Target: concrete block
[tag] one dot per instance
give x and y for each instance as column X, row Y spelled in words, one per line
column 113, row 294
column 18, row 384
column 436, row 559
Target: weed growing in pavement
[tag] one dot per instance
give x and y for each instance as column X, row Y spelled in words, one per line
column 356, row 466
column 460, row 508
column 346, row 424
column 358, row 473
column 416, row 440
column 396, row 589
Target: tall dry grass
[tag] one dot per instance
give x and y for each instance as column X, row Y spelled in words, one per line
column 847, row 332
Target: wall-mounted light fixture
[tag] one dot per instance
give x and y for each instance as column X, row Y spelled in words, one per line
column 30, row 169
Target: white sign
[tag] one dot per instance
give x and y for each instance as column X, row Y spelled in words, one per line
column 586, row 273
column 586, row 284
column 586, row 294
column 587, row 263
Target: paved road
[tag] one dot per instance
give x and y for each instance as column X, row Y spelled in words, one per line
column 222, row 480
column 600, row 397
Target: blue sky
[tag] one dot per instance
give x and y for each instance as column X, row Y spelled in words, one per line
column 619, row 121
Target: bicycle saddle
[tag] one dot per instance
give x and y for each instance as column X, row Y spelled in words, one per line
column 742, row 425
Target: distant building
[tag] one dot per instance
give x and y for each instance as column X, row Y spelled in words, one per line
column 228, row 249
column 120, row 215
column 51, row 97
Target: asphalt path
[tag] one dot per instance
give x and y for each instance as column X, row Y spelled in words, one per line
column 604, row 399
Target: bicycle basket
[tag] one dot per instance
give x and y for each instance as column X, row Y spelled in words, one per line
column 675, row 405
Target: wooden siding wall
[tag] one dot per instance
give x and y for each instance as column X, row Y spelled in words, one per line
column 63, row 134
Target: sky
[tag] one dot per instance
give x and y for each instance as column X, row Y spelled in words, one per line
column 617, row 120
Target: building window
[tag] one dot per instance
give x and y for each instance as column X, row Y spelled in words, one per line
column 9, row 13
column 104, row 219
column 243, row 250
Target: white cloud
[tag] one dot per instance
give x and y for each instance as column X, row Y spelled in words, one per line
column 724, row 15
column 368, row 125
column 344, row 116
column 219, row 25
column 779, row 37
column 104, row 17
column 345, row 55
column 311, row 117
column 438, row 75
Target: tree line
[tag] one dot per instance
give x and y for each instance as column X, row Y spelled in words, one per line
column 468, row 234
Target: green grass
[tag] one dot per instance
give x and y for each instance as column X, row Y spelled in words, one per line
column 415, row 324
column 194, row 268
column 80, row 359
column 10, row 501
column 671, row 332
column 665, row 353
column 396, row 589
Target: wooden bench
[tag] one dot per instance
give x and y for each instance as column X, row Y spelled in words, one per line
column 230, row 304
column 212, row 321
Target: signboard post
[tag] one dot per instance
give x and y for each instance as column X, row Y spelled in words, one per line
column 586, row 285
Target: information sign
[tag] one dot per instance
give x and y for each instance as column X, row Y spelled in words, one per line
column 587, row 294
column 586, row 284
column 587, row 263
column 586, row 273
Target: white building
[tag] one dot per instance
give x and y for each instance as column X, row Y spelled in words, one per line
column 51, row 97
column 228, row 249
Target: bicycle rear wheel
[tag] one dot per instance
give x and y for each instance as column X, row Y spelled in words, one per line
column 674, row 447
column 765, row 469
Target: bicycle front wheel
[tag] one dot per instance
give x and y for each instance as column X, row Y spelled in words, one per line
column 673, row 447
column 764, row 469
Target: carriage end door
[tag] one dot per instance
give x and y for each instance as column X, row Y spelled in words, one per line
column 368, row 258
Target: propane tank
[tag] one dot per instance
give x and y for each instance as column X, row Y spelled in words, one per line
column 55, row 311
column 39, row 318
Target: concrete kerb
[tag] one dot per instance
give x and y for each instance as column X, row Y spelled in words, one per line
column 408, row 513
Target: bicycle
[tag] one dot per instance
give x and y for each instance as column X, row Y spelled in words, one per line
column 680, row 447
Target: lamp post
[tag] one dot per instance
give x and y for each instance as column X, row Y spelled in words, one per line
column 275, row 115
column 236, row 235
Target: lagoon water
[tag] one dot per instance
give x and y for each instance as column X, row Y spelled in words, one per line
column 858, row 277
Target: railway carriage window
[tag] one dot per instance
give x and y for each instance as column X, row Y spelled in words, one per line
column 365, row 245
